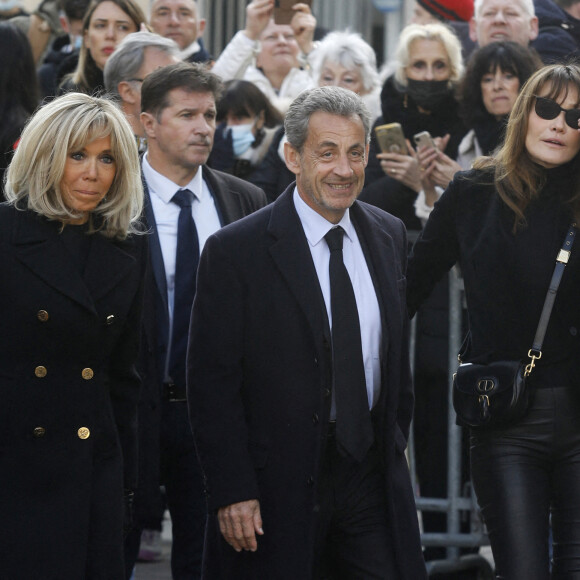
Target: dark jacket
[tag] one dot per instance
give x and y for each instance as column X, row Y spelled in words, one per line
column 506, row 275
column 234, row 199
column 259, row 385
column 56, row 65
column 558, row 35
column 68, row 399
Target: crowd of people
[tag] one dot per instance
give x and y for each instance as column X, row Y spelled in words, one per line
column 207, row 298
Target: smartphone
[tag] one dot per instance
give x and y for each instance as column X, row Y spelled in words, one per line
column 424, row 139
column 283, row 12
column 391, row 138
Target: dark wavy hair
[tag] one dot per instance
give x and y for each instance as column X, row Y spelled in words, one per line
column 19, row 92
column 508, row 57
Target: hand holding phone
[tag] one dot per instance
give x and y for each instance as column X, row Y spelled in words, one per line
column 424, row 139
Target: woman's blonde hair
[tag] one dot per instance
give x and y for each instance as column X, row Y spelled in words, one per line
column 518, row 179
column 65, row 125
column 431, row 31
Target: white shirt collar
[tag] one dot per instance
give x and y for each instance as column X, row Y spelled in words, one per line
column 164, row 188
column 315, row 226
column 191, row 49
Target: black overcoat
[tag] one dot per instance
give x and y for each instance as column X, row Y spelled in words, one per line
column 259, row 386
column 68, row 399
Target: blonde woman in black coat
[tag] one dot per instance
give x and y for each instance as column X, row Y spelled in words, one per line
column 70, row 296
column 504, row 222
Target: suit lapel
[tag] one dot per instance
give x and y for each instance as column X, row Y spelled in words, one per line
column 292, row 256
column 227, row 200
column 155, row 253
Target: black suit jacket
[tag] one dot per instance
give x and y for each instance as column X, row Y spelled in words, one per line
column 259, row 385
column 235, row 199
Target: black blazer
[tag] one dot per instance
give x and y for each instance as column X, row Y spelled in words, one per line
column 67, row 350
column 235, row 199
column 259, row 384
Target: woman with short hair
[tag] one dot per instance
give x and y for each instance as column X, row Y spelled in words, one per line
column 72, row 264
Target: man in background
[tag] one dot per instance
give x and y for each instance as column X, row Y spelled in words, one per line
column 180, row 21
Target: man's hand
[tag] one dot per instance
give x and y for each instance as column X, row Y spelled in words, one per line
column 239, row 524
column 258, row 15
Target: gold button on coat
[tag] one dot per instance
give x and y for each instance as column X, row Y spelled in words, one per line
column 84, row 433
column 39, row 432
column 40, row 372
column 88, row 374
column 42, row 315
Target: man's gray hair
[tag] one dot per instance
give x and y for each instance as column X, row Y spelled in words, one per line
column 124, row 64
column 331, row 100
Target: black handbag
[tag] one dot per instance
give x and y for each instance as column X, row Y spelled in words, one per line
column 497, row 393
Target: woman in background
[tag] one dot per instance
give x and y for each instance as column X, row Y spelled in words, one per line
column 493, row 79
column 72, row 269
column 420, row 95
column 247, row 124
column 106, row 23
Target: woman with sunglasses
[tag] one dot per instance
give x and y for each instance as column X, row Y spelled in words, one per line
column 504, row 222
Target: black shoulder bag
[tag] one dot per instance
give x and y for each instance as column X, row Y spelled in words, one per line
column 496, row 393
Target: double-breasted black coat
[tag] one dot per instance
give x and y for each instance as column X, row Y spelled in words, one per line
column 68, row 399
column 259, row 386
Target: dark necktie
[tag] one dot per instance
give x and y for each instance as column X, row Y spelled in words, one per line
column 354, row 431
column 186, row 261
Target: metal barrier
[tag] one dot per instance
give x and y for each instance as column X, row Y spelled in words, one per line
column 460, row 499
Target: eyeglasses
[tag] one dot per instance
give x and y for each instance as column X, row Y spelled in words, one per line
column 135, row 80
column 548, row 109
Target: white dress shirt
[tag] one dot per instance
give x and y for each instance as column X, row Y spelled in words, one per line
column 315, row 228
column 166, row 213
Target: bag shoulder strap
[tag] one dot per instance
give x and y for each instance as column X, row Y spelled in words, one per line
column 535, row 353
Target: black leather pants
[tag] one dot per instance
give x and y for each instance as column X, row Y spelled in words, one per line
column 524, row 473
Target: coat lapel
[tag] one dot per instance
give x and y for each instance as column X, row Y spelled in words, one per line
column 226, row 200
column 40, row 248
column 292, row 256
column 155, row 253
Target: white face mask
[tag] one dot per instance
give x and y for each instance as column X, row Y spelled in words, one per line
column 242, row 137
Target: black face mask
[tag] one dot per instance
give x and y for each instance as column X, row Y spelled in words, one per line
column 428, row 94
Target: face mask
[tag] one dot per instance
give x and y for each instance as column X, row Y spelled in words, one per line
column 76, row 41
column 242, row 137
column 428, row 94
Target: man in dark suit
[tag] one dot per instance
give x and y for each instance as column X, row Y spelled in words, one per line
column 298, row 379
column 185, row 203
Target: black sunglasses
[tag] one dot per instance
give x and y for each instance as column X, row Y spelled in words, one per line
column 548, row 109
